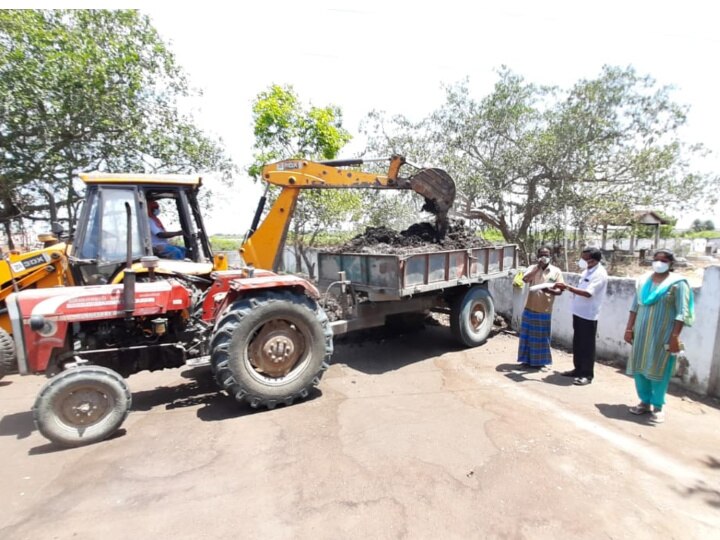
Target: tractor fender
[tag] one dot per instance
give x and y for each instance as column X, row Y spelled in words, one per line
column 268, row 281
column 274, row 281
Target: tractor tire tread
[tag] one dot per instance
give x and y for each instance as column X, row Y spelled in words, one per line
column 225, row 330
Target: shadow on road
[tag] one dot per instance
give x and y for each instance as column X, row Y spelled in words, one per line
column 19, row 425
column 383, row 349
column 187, row 394
column 621, row 412
column 5, row 383
column 675, row 388
column 558, row 380
column 710, row 495
column 200, row 390
column 51, row 448
column 517, row 372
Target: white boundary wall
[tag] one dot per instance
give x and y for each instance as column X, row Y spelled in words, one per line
column 702, row 340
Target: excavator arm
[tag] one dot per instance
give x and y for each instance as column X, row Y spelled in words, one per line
column 263, row 246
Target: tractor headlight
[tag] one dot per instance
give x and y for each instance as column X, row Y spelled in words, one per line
column 42, row 326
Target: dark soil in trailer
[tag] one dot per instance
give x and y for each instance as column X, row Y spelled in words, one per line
column 418, row 238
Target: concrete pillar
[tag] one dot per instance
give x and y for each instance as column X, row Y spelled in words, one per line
column 702, row 342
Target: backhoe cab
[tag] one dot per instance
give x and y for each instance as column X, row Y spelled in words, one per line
column 100, row 251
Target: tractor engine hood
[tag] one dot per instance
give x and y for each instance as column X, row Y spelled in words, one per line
column 40, row 317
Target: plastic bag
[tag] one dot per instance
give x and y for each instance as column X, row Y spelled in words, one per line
column 518, row 280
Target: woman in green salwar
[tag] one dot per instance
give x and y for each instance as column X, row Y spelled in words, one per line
column 662, row 306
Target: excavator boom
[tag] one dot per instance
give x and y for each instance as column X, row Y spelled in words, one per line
column 263, row 247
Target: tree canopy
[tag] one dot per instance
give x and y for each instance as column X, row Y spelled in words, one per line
column 88, row 90
column 699, row 225
column 527, row 155
column 284, row 128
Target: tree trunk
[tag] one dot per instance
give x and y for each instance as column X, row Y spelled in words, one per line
column 69, row 199
column 603, row 245
column 8, row 232
column 52, row 206
column 310, row 265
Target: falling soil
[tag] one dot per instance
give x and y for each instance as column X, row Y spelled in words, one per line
column 418, row 238
column 332, row 307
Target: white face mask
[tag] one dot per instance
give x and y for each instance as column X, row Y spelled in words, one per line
column 582, row 263
column 544, row 260
column 660, row 267
column 156, row 212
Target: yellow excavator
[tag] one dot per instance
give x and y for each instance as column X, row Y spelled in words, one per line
column 263, row 246
column 39, row 268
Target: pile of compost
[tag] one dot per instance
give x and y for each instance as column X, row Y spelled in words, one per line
column 418, row 238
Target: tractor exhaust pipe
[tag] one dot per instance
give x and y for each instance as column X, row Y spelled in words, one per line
column 129, row 273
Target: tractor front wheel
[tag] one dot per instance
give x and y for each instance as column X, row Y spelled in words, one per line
column 82, row 405
column 271, row 348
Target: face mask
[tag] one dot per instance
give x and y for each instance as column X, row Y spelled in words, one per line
column 582, row 263
column 660, row 266
column 156, row 212
column 544, row 260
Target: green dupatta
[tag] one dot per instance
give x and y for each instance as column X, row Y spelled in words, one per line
column 648, row 296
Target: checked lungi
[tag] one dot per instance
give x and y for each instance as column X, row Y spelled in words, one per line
column 535, row 339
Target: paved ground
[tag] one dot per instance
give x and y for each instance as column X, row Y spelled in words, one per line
column 408, row 437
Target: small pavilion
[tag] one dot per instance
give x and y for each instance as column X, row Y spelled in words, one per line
column 641, row 217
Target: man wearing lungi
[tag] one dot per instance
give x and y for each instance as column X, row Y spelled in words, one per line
column 534, row 350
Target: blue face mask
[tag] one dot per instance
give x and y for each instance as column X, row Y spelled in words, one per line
column 156, row 212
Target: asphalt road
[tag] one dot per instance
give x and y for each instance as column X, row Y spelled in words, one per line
column 407, row 437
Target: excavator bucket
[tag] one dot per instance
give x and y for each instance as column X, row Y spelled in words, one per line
column 438, row 188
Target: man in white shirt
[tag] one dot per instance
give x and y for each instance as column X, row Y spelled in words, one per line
column 586, row 302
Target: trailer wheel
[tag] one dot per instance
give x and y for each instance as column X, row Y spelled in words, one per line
column 471, row 316
column 271, row 348
column 8, row 361
column 82, row 405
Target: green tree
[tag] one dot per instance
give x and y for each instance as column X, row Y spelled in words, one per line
column 699, row 225
column 88, row 90
column 387, row 137
column 528, row 155
column 284, row 128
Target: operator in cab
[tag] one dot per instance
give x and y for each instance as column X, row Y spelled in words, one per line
column 161, row 246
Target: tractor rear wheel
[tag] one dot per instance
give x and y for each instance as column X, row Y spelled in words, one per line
column 471, row 316
column 271, row 348
column 8, row 361
column 82, row 405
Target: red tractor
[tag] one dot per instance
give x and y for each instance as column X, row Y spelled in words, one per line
column 265, row 335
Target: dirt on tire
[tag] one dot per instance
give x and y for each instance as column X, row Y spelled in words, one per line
column 418, row 238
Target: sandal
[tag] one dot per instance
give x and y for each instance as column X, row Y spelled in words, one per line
column 657, row 416
column 640, row 408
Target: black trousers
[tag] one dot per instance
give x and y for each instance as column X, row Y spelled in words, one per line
column 584, row 333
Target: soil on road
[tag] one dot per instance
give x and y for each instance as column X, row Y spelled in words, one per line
column 408, row 436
